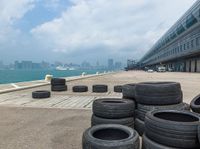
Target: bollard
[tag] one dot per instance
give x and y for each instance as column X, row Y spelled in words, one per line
column 48, row 77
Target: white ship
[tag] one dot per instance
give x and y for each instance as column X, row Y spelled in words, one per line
column 64, row 68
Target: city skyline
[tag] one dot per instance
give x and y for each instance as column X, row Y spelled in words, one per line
column 28, row 64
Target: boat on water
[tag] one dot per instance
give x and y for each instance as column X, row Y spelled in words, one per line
column 61, row 68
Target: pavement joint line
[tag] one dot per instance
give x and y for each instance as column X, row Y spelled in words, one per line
column 85, row 106
column 59, row 102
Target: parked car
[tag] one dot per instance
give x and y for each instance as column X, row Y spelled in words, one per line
column 161, row 69
column 150, row 70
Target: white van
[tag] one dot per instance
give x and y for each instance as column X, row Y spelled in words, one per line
column 161, row 69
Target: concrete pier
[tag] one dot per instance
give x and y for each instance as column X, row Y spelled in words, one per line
column 58, row 122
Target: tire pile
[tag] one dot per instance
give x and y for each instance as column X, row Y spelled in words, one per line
column 58, row 84
column 112, row 126
column 113, row 111
column 171, row 129
column 157, row 96
column 160, row 117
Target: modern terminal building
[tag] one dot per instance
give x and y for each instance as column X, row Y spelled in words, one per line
column 179, row 48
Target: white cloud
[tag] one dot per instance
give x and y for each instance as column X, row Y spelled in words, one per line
column 13, row 10
column 89, row 28
column 120, row 27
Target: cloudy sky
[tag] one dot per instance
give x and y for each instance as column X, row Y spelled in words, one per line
column 78, row 30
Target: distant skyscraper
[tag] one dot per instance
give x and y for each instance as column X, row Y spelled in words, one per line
column 118, row 65
column 110, row 64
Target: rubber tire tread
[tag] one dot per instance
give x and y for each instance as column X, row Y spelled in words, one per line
column 59, row 88
column 128, row 91
column 80, row 88
column 129, row 121
column 195, row 104
column 158, row 93
column 58, row 81
column 89, row 142
column 141, row 110
column 139, row 126
column 149, row 144
column 103, row 109
column 41, row 94
column 118, row 89
column 99, row 88
column 170, row 133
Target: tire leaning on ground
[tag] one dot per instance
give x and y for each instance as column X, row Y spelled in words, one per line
column 128, row 91
column 139, row 126
column 173, row 128
column 110, row 136
column 113, row 108
column 158, row 93
column 195, row 104
column 41, row 94
column 143, row 109
column 118, row 88
column 80, row 88
column 59, row 88
column 58, row 81
column 149, row 144
column 122, row 121
column 99, row 88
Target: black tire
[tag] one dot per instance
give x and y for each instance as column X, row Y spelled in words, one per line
column 99, row 88
column 128, row 91
column 173, row 128
column 110, row 136
column 143, row 109
column 41, row 94
column 118, row 88
column 59, row 88
column 195, row 104
column 113, row 108
column 122, row 121
column 149, row 144
column 158, row 93
column 199, row 133
column 139, row 126
column 58, row 81
column 80, row 88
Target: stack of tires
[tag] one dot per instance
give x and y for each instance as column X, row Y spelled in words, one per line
column 113, row 111
column 58, row 84
column 171, row 129
column 154, row 96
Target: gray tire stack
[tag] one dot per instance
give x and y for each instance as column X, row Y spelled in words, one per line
column 113, row 111
column 58, row 84
column 171, row 129
column 112, row 124
column 153, row 96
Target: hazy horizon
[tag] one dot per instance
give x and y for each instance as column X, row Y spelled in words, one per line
column 84, row 30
